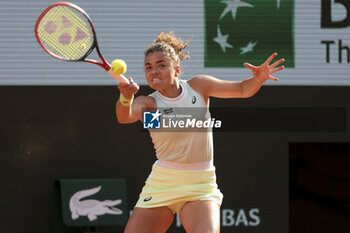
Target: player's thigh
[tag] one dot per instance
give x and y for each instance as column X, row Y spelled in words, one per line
column 149, row 220
column 201, row 217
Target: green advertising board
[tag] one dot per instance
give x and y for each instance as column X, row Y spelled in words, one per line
column 93, row 202
column 239, row 31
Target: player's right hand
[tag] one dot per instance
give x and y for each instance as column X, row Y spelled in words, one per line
column 129, row 89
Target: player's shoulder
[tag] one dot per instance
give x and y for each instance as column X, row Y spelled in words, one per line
column 201, row 79
column 200, row 83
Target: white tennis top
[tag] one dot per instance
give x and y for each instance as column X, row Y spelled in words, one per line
column 184, row 145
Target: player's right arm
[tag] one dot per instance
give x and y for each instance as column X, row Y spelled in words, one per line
column 130, row 114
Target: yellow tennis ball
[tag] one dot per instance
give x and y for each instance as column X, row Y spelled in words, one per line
column 119, row 66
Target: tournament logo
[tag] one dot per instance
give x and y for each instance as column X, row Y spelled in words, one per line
column 152, row 120
column 248, row 30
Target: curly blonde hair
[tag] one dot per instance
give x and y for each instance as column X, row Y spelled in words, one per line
column 171, row 46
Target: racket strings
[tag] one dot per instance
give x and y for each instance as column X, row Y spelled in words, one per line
column 66, row 33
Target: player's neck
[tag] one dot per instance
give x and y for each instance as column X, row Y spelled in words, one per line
column 172, row 91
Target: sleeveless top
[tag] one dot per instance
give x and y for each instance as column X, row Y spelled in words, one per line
column 182, row 145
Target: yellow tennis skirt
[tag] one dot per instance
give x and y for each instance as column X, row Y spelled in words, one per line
column 174, row 188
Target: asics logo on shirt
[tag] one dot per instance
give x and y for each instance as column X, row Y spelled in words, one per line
column 147, row 199
column 194, row 99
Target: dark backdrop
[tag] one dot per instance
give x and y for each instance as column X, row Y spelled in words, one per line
column 53, row 132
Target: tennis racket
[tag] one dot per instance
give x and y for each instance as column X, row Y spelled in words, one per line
column 65, row 31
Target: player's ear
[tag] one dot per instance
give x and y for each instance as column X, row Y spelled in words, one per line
column 177, row 72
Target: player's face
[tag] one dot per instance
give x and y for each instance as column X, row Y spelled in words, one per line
column 160, row 71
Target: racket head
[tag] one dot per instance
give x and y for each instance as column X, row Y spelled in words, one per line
column 65, row 31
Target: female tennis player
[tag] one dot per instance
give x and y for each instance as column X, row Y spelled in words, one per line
column 183, row 178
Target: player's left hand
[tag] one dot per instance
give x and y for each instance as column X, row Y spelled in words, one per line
column 263, row 72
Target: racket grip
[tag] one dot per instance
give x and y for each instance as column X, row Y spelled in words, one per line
column 119, row 77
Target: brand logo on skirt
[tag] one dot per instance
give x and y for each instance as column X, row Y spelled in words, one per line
column 147, row 199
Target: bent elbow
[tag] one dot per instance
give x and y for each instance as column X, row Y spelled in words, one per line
column 246, row 96
column 122, row 121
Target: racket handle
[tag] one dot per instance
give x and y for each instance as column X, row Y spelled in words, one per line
column 119, row 77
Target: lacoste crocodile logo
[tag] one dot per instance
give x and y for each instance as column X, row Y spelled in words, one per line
column 92, row 208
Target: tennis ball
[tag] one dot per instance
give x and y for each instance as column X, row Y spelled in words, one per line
column 119, row 66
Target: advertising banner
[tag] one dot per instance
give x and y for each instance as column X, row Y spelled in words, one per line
column 313, row 37
column 93, row 202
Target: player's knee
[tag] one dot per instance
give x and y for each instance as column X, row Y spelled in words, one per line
column 203, row 227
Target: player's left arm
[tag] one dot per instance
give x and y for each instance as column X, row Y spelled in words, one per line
column 210, row 86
